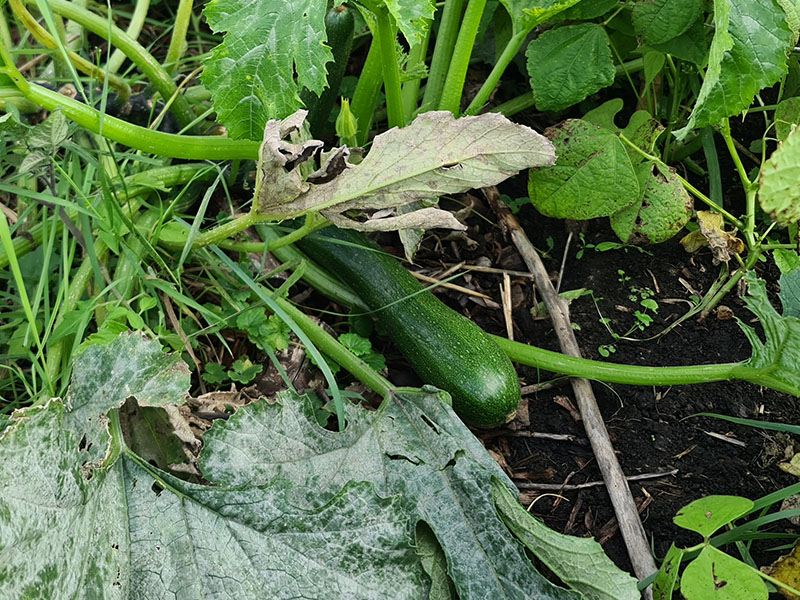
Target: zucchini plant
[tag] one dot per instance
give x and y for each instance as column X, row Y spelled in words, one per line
column 399, row 486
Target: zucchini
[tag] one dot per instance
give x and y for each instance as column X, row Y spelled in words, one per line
column 340, row 27
column 445, row 348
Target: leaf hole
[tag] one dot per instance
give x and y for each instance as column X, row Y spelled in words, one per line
column 430, row 423
column 402, row 457
column 157, row 489
column 452, row 462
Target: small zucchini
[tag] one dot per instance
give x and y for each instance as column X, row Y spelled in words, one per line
column 444, row 348
column 340, row 29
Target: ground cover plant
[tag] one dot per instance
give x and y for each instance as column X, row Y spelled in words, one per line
column 164, row 187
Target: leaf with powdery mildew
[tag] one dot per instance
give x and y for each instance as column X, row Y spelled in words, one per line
column 414, row 446
column 105, row 376
column 127, row 530
column 435, row 155
column 748, row 53
column 270, row 51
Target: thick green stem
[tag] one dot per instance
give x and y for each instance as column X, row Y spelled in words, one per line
column 509, row 52
column 140, row 138
column 750, row 188
column 367, row 92
column 614, row 373
column 151, row 68
column 568, row 365
column 177, row 43
column 442, row 54
column 225, row 231
column 134, row 29
column 5, row 32
column 750, row 222
column 516, row 105
column 387, row 38
column 175, row 239
column 725, row 130
column 416, row 60
column 456, row 74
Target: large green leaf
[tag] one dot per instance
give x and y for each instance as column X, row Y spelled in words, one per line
column 650, row 212
column 580, row 562
column 714, row 575
column 412, row 17
column 69, row 529
column 787, row 116
column 106, row 375
column 659, row 21
column 690, row 45
column 707, row 515
column 593, row 176
column 270, row 51
column 414, row 446
column 779, row 184
column 748, row 53
column 774, row 361
column 662, row 211
column 568, row 64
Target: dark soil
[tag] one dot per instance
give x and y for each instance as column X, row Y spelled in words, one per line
column 652, row 428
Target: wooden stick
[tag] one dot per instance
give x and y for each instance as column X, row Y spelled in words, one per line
column 630, row 523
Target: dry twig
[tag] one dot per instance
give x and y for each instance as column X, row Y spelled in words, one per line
column 560, row 487
column 624, row 506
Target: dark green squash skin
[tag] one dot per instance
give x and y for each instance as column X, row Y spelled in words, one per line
column 444, row 348
column 340, row 28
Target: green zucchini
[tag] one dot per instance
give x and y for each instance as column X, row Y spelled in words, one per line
column 444, row 348
column 340, row 29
